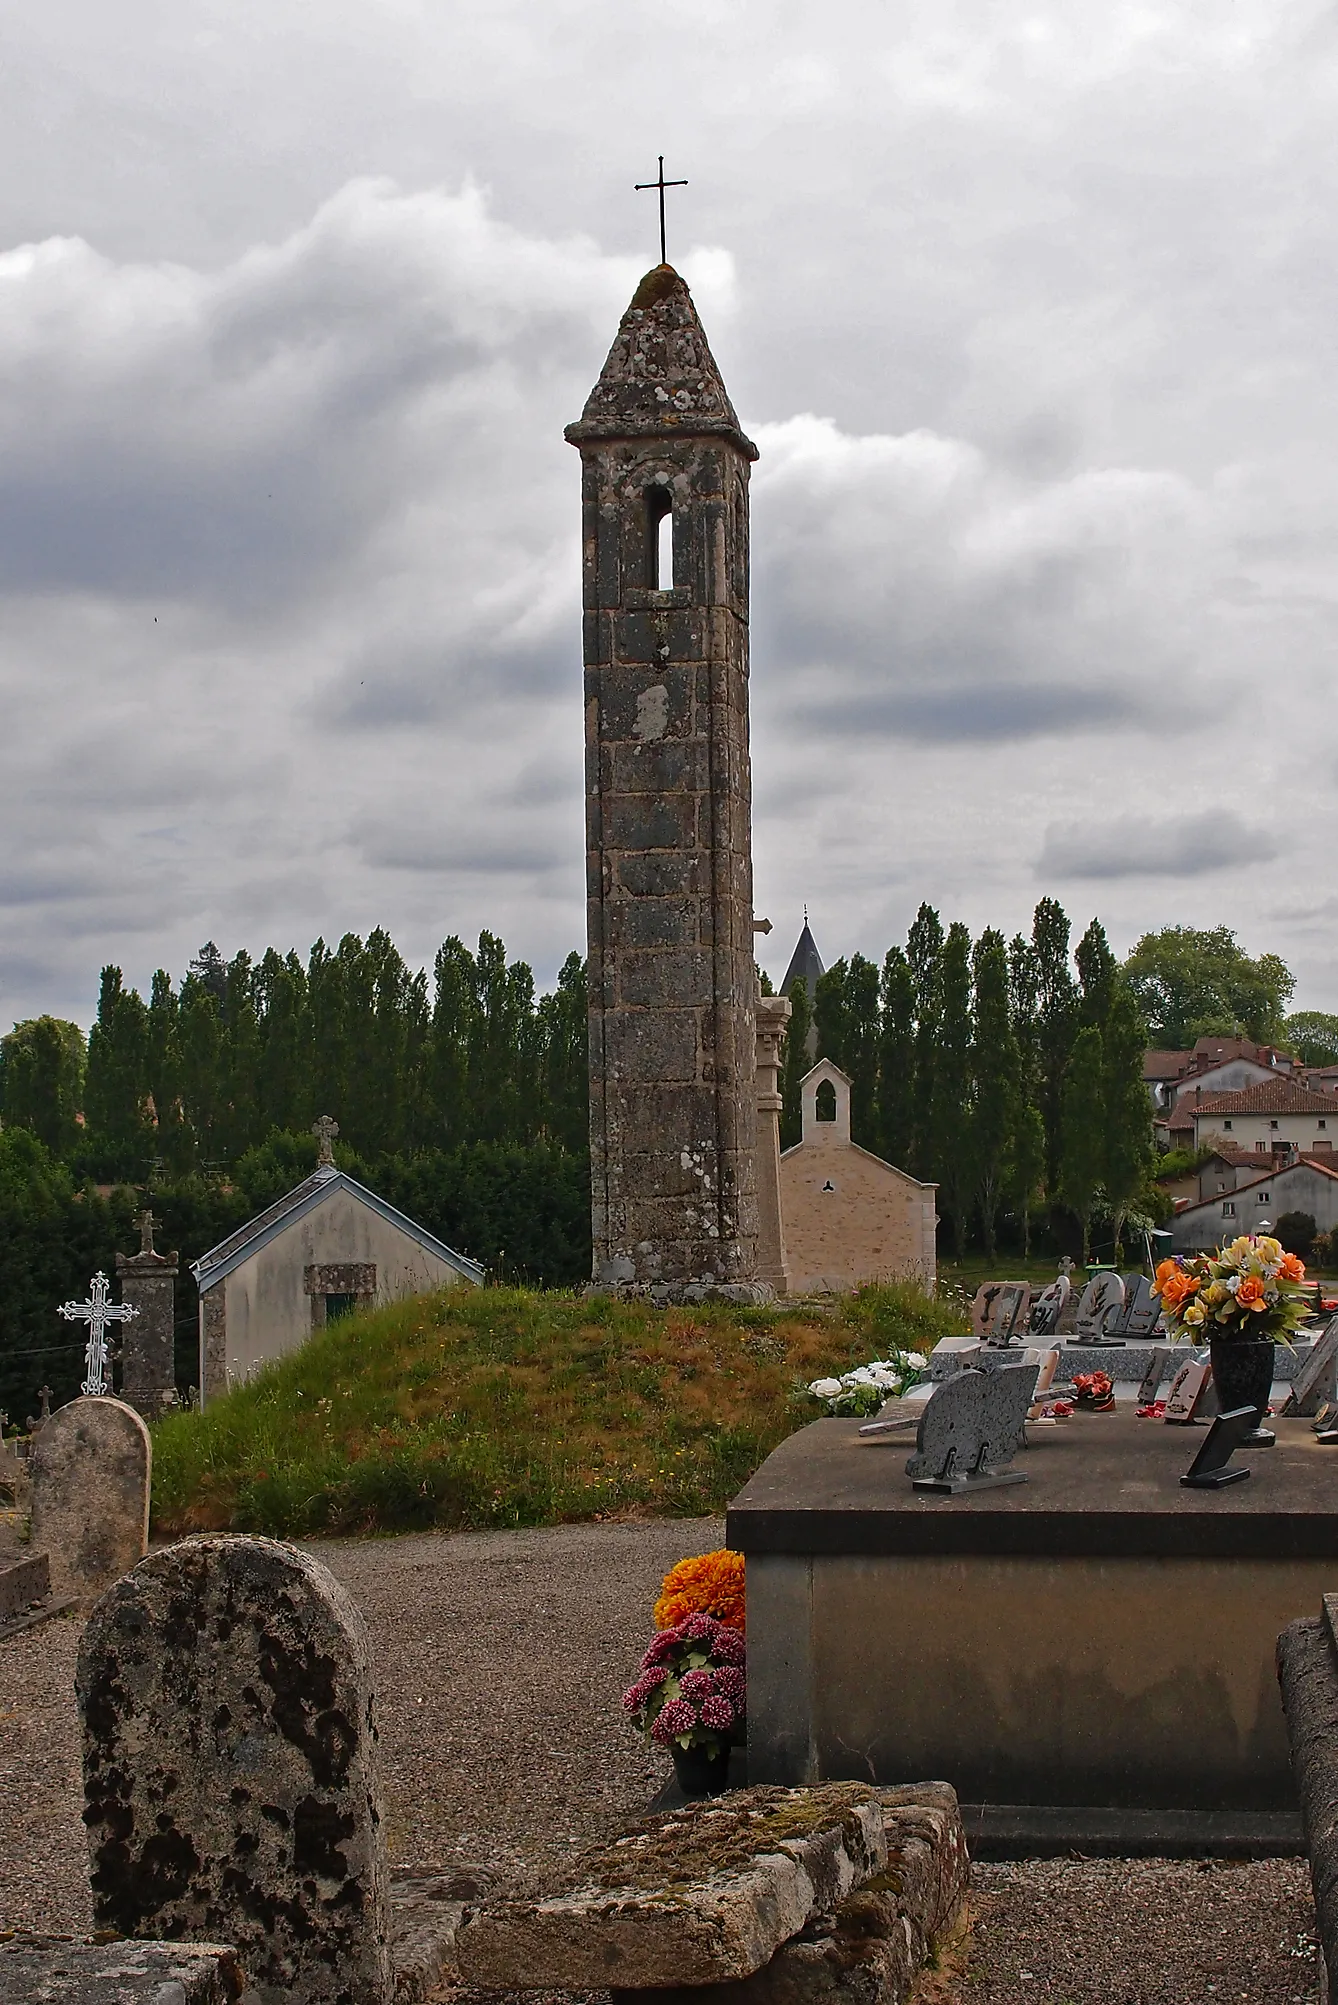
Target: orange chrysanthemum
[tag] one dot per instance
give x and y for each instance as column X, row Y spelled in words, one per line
column 1291, row 1268
column 709, row 1584
column 1250, row 1294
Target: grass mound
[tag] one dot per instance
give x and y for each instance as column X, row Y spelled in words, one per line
column 505, row 1406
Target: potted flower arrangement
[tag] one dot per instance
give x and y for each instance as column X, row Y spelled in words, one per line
column 691, row 1696
column 863, row 1390
column 1241, row 1300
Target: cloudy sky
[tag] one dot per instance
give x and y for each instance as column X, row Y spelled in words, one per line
column 1032, row 310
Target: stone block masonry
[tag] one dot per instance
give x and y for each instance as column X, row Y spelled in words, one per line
column 668, row 811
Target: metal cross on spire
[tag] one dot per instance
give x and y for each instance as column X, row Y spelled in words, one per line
column 97, row 1312
column 661, row 184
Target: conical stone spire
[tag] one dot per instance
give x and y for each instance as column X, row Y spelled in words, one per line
column 660, row 375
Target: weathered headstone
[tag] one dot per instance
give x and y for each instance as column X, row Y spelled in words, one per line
column 229, row 1767
column 970, row 1428
column 1049, row 1306
column 1102, row 1299
column 90, row 1469
column 52, row 1970
column 148, row 1285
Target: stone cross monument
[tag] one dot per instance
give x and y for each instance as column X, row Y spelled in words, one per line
column 668, row 809
column 148, row 1364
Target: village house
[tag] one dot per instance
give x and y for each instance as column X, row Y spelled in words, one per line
column 1215, row 1065
column 328, row 1247
column 1278, row 1116
column 1302, row 1184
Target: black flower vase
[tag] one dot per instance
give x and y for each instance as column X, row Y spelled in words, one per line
column 1243, row 1376
column 702, row 1771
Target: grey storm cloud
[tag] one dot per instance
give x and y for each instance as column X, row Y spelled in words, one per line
column 1028, row 312
column 1174, row 846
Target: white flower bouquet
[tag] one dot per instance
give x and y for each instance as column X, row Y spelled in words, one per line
column 863, row 1390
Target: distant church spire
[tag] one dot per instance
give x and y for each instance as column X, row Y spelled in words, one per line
column 805, row 963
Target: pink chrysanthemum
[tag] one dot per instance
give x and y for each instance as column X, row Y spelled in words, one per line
column 676, row 1718
column 661, row 1650
column 697, row 1684
column 731, row 1681
column 717, row 1713
column 729, row 1646
column 696, row 1629
column 649, row 1681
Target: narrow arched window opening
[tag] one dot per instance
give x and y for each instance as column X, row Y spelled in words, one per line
column 824, row 1101
column 659, row 539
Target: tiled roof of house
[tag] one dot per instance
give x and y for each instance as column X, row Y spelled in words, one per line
column 1164, row 1064
column 220, row 1260
column 1273, row 1176
column 1269, row 1096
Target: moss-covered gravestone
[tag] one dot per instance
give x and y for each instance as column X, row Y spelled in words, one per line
column 90, row 1467
column 229, row 1767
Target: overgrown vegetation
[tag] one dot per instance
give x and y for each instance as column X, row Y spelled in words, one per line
column 507, row 1406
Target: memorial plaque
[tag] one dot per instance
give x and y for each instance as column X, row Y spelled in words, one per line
column 1010, row 1310
column 969, row 1431
column 1208, row 1470
column 1150, row 1383
column 1314, row 1385
column 1049, row 1306
column 1102, row 1300
column 982, row 1306
column 1187, row 1388
column 1141, row 1307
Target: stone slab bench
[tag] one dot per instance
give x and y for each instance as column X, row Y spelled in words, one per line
column 764, row 1893
column 1308, row 1676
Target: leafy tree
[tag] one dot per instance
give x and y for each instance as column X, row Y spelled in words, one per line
column 860, row 1046
column 1313, row 1036
column 829, row 1013
column 1083, row 1133
column 795, row 1063
column 564, row 1035
column 1097, row 968
column 1297, row 1232
column 42, row 1080
column 1024, row 1170
column 994, row 1065
column 1190, row 983
column 924, row 952
column 1128, row 1115
column 951, row 1106
column 896, row 1058
column 1056, row 1013
column 116, row 1091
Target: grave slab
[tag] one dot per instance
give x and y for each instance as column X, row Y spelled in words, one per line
column 1095, row 1641
column 90, row 1467
column 871, row 1948
column 695, row 1896
column 51, row 1970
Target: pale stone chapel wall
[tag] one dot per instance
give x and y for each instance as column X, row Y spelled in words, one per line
column 849, row 1216
column 268, row 1310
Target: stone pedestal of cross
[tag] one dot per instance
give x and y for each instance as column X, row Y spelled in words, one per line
column 97, row 1312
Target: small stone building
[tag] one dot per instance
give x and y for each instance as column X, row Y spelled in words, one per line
column 849, row 1217
column 329, row 1246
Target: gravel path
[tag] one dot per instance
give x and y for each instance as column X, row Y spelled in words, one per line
column 503, row 1655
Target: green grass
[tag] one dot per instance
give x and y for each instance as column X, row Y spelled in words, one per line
column 506, row 1406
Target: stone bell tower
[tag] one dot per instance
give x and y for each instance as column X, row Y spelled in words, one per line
column 668, row 808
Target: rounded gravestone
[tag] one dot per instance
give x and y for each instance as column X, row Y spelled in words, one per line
column 230, row 1782
column 90, row 1465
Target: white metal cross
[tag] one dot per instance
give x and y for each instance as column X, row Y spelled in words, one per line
column 97, row 1312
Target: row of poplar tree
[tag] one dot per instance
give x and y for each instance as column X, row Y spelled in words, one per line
column 991, row 1069
column 207, row 1068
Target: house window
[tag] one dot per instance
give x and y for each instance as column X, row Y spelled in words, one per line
column 1262, row 1197
column 339, row 1305
column 1227, row 1126
column 1272, row 1124
column 1262, row 1148
column 824, row 1101
column 1228, row 1209
column 1321, row 1124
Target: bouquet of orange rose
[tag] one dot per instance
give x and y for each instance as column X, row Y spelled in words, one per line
column 1250, row 1291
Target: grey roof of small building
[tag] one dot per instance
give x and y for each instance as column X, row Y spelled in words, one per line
column 223, row 1259
column 805, row 964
